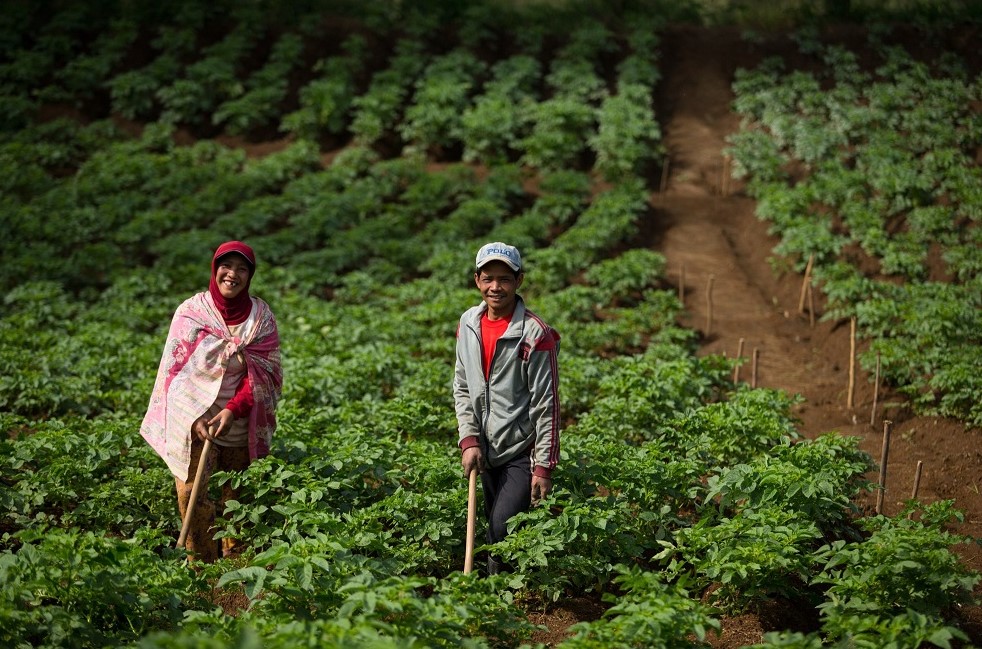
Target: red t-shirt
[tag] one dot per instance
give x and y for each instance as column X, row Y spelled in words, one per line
column 491, row 331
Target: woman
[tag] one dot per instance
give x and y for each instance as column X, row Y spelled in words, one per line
column 219, row 379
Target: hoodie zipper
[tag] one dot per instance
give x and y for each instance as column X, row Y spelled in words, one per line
column 486, row 415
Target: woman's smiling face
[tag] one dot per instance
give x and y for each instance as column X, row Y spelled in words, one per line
column 232, row 275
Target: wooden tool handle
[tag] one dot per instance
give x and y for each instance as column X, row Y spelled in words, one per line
column 195, row 488
column 471, row 522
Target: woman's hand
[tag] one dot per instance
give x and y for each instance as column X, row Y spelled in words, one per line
column 220, row 422
column 210, row 429
column 200, row 429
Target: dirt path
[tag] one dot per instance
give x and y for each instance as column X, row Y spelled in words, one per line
column 711, row 235
column 708, row 235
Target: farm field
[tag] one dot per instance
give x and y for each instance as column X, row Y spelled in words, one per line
column 365, row 154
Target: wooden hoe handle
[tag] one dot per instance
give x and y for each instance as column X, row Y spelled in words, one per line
column 195, row 488
column 471, row 522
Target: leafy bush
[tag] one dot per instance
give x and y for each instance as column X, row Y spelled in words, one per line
column 649, row 613
column 79, row 588
column 895, row 585
column 754, row 556
column 325, row 102
column 627, row 135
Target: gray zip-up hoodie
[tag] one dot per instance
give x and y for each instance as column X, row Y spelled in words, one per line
column 517, row 407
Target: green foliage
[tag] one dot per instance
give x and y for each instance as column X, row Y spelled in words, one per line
column 79, row 588
column 885, row 164
column 376, row 112
column 556, row 140
column 748, row 424
column 134, row 92
column 492, row 127
column 627, row 136
column 209, row 81
column 80, row 475
column 639, row 395
column 432, row 119
column 676, row 488
column 649, row 613
column 628, row 274
column 264, row 90
column 326, row 101
column 564, row 546
column 611, row 218
column 801, row 478
column 895, row 585
column 759, row 554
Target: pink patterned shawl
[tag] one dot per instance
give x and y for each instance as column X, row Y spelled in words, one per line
column 198, row 348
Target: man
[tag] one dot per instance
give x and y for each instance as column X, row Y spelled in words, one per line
column 506, row 393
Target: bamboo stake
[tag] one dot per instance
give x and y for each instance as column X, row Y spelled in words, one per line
column 876, row 391
column 917, row 479
column 753, row 373
column 471, row 522
column 884, row 454
column 739, row 357
column 663, row 185
column 709, row 304
column 682, row 283
column 850, row 396
column 806, row 280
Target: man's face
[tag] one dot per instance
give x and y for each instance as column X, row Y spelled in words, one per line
column 498, row 285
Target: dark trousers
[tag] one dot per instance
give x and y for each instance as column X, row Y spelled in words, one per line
column 507, row 491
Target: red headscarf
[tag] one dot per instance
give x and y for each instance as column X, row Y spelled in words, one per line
column 236, row 310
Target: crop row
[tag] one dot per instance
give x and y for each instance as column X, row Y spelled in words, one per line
column 237, row 74
column 887, row 204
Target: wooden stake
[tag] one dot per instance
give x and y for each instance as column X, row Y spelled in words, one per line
column 876, row 391
column 739, row 357
column 811, row 307
column 805, row 282
column 753, row 373
column 884, row 454
column 725, row 180
column 850, row 396
column 663, row 185
column 917, row 479
column 709, row 304
column 682, row 283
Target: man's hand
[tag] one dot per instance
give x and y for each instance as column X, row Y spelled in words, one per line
column 540, row 488
column 472, row 460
